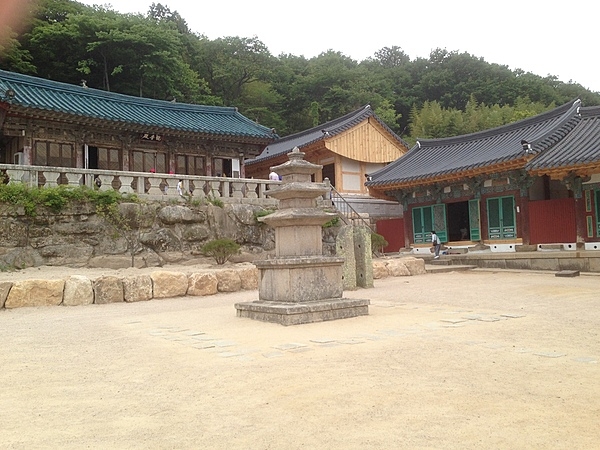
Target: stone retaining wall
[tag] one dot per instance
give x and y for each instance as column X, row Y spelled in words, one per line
column 76, row 290
column 584, row 261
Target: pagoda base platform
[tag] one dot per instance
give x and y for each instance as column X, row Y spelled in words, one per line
column 286, row 313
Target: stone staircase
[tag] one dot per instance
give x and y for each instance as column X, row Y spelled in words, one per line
column 444, row 264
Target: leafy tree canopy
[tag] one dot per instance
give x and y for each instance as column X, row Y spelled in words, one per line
column 156, row 55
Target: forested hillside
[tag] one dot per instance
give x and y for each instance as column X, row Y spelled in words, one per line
column 156, row 55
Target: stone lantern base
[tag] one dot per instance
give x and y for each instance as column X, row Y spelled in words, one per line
column 285, row 313
column 302, row 289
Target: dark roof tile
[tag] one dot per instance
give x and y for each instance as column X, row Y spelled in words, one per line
column 41, row 94
column 430, row 159
column 304, row 138
column 580, row 146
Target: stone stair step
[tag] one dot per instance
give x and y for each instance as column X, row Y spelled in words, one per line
column 440, row 262
column 442, row 269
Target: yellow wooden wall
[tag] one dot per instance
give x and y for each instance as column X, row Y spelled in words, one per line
column 367, row 142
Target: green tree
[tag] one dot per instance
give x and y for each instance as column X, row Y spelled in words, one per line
column 157, row 56
column 229, row 64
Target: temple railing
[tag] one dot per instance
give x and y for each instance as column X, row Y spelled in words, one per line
column 158, row 186
column 346, row 212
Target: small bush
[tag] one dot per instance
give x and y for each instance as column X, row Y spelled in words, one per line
column 56, row 198
column 262, row 213
column 221, row 250
column 332, row 223
column 378, row 242
column 215, row 201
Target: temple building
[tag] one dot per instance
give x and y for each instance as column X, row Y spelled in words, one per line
column 532, row 182
column 47, row 123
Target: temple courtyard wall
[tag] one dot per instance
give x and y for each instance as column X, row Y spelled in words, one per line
column 53, row 286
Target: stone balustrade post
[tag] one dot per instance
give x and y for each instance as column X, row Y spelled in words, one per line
column 225, row 191
column 237, row 189
column 106, row 182
column 51, row 178
column 214, row 189
column 126, row 182
column 154, row 186
column 73, row 179
column 15, row 175
column 251, row 190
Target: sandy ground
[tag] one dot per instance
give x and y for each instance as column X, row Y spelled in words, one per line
column 465, row 360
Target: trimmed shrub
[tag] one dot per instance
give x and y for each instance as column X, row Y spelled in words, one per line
column 221, row 250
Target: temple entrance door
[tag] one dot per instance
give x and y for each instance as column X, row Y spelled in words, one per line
column 458, row 221
column 501, row 218
column 90, row 155
column 474, row 220
column 439, row 221
column 427, row 219
column 328, row 171
column 597, row 198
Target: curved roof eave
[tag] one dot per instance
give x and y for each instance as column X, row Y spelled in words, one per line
column 52, row 96
column 321, row 132
column 501, row 145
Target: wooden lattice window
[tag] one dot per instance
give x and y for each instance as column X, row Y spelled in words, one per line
column 54, row 154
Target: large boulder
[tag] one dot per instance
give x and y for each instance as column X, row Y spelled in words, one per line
column 137, row 288
column 196, row 233
column 248, row 274
column 170, row 215
column 202, row 283
column 21, row 258
column 228, row 281
column 66, row 255
column 78, row 291
column 416, row 266
column 35, row 293
column 397, row 268
column 160, row 240
column 169, row 284
column 108, row 289
column 380, row 269
column 4, row 290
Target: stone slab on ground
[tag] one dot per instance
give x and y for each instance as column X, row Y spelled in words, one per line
column 567, row 273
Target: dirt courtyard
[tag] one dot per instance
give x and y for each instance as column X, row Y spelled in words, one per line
column 467, row 360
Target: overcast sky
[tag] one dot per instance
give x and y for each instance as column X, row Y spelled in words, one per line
column 539, row 36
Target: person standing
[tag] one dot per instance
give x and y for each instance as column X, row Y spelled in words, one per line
column 273, row 176
column 435, row 240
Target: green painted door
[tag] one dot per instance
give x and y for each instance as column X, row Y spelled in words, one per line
column 422, row 224
column 597, row 198
column 501, row 218
column 426, row 219
column 474, row 220
column 439, row 222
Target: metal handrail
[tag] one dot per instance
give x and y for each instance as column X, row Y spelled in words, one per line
column 347, row 213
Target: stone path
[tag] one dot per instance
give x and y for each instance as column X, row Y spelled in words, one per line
column 447, row 319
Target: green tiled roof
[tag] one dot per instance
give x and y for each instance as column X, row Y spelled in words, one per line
column 41, row 94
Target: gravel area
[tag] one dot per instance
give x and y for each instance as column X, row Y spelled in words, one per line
column 459, row 360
